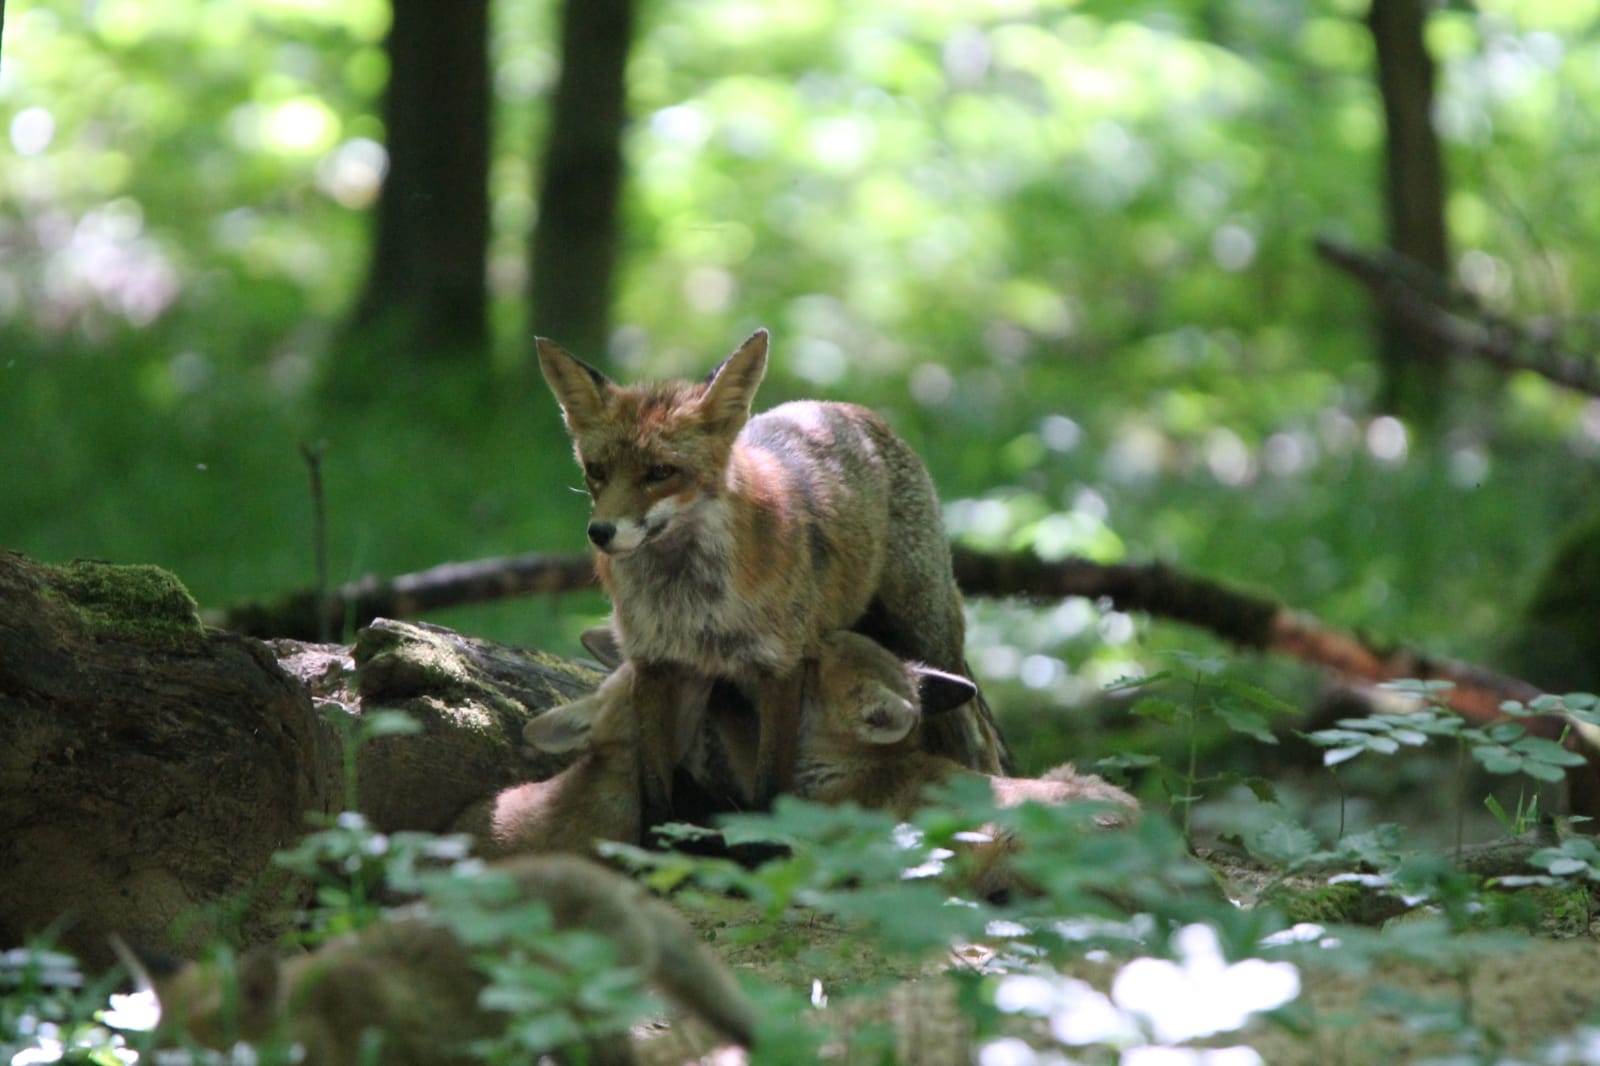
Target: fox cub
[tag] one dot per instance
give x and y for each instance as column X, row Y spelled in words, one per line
column 858, row 737
column 410, row 984
column 858, row 743
column 731, row 545
column 597, row 797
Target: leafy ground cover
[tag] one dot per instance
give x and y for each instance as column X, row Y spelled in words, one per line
column 1127, row 949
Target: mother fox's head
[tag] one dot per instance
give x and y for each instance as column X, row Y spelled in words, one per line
column 651, row 452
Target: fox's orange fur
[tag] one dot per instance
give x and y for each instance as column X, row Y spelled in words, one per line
column 731, row 545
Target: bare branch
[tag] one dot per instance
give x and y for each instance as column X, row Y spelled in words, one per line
column 357, row 603
column 1425, row 301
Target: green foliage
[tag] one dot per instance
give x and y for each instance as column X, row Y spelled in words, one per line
column 1188, row 963
column 558, row 988
column 1205, row 693
column 1075, row 234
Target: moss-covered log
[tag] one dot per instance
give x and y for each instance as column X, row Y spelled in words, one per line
column 149, row 766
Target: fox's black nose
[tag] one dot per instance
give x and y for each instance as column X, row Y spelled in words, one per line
column 600, row 534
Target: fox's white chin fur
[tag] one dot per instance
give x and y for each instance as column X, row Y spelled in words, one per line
column 663, row 520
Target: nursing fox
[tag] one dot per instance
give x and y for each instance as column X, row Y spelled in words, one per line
column 731, row 544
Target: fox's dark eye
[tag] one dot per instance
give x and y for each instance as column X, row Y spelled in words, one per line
column 660, row 472
column 594, row 472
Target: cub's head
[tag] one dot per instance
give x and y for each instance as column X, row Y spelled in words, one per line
column 650, row 453
column 864, row 696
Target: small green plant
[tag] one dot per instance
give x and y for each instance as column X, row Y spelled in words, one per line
column 1503, row 747
column 1210, row 693
column 348, row 861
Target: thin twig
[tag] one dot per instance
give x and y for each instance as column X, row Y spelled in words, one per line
column 312, row 454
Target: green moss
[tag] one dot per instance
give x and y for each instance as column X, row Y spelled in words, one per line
column 142, row 604
column 1325, row 904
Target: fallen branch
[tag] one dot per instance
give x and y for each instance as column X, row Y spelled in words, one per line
column 1244, row 619
column 301, row 615
column 1427, row 303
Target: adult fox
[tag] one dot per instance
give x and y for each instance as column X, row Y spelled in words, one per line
column 732, row 545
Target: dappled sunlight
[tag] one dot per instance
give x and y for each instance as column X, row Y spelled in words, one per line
column 32, row 130
column 1201, row 993
column 1154, row 1006
column 100, row 264
column 353, row 173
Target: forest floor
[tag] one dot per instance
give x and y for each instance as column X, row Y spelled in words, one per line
column 1521, row 995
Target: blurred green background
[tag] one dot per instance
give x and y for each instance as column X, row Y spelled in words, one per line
column 1067, row 247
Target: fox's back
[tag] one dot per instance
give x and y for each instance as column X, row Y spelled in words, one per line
column 826, row 520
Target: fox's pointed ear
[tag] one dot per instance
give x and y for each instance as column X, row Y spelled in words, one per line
column 580, row 389
column 939, row 691
column 565, row 728
column 884, row 717
column 602, row 643
column 732, row 385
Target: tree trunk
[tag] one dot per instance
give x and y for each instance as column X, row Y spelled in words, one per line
column 150, row 767
column 1412, row 361
column 427, row 287
column 575, row 241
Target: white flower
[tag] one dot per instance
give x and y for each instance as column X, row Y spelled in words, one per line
column 138, row 1010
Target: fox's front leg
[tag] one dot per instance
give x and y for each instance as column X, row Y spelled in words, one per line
column 778, row 705
column 669, row 702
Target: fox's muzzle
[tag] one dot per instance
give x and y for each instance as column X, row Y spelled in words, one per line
column 601, row 534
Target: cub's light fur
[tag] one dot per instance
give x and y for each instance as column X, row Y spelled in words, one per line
column 858, row 743
column 732, row 545
column 598, row 797
column 409, row 987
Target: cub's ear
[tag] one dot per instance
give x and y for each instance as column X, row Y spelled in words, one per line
column 580, row 389
column 938, row 691
column 732, row 385
column 602, row 643
column 565, row 728
column 884, row 717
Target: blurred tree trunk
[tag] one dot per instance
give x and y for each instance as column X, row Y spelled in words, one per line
column 1412, row 362
column 575, row 242
column 428, row 278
